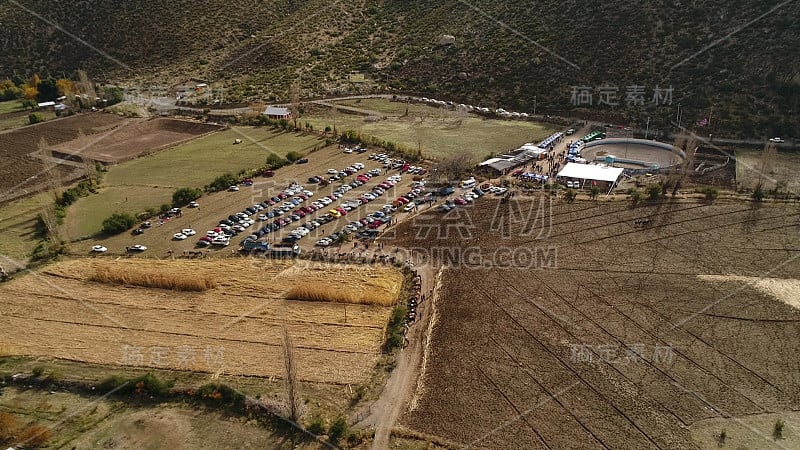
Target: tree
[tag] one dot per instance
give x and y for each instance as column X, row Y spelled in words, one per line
column 291, row 376
column 183, row 196
column 222, row 182
column 594, row 192
column 338, row 429
column 570, row 195
column 455, row 166
column 293, row 156
column 117, row 223
column 654, row 192
column 35, row 117
column 65, row 86
column 275, row 161
column 48, row 91
column 114, row 95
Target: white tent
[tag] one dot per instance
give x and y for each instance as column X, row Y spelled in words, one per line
column 591, row 172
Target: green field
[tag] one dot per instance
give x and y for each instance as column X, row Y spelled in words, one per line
column 439, row 132
column 12, row 121
column 196, row 163
column 784, row 170
column 149, row 181
column 10, row 106
column 17, row 227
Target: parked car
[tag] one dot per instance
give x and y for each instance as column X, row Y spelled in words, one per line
column 194, row 205
column 233, row 188
column 137, row 248
column 302, row 161
column 777, row 140
column 99, row 249
column 179, row 236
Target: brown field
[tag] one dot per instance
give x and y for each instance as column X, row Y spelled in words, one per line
column 234, row 328
column 21, row 173
column 135, row 138
column 615, row 342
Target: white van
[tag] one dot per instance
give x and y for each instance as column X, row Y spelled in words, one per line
column 468, row 184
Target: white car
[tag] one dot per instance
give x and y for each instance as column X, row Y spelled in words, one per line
column 233, row 188
column 777, row 140
column 308, row 193
column 188, row 232
column 332, row 171
column 348, row 150
column 324, row 242
column 409, row 207
column 500, row 191
column 137, row 248
column 99, row 249
column 194, row 205
column 179, row 236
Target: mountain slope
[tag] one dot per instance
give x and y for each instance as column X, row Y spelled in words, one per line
column 741, row 56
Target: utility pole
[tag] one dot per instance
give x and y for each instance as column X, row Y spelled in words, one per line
column 534, row 105
column 647, row 130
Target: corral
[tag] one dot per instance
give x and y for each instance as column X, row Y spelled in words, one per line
column 626, row 336
column 233, row 327
column 132, row 139
column 633, row 153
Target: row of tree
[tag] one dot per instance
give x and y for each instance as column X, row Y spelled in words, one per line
column 35, row 89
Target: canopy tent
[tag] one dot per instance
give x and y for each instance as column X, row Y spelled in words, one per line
column 591, row 172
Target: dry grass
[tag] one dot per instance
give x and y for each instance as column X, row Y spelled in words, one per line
column 152, row 279
column 363, row 287
column 59, row 312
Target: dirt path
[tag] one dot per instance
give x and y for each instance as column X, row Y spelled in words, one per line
column 403, row 381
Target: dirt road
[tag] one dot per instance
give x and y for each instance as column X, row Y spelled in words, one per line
column 406, row 378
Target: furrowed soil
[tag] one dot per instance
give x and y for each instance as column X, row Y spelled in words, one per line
column 586, row 330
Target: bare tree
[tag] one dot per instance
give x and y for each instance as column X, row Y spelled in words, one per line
column 456, row 165
column 292, row 399
column 295, row 94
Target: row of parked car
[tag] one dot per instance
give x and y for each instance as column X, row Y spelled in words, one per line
column 399, row 164
column 284, row 203
column 463, row 199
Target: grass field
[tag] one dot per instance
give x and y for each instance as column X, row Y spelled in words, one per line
column 149, row 181
column 234, row 328
column 785, row 169
column 197, row 162
column 11, row 106
column 12, row 121
column 17, row 223
column 86, row 216
column 440, row 132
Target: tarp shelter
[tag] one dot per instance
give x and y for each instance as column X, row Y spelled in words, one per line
column 593, row 172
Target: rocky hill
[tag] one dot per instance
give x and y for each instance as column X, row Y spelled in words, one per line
column 739, row 57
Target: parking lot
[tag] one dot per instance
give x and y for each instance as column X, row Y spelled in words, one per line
column 293, row 202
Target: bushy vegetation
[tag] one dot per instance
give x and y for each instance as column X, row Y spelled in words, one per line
column 222, row 182
column 118, row 222
column 221, row 395
column 144, row 386
column 275, row 161
column 394, row 331
column 183, row 196
column 293, row 156
column 35, row 117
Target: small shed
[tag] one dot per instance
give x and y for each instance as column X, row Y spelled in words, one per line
column 275, row 112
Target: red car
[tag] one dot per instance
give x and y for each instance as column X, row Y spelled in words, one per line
column 341, row 211
column 402, row 200
column 460, row 201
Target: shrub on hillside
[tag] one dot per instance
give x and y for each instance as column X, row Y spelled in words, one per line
column 293, row 156
column 222, row 182
column 183, row 196
column 35, row 117
column 117, row 223
column 275, row 161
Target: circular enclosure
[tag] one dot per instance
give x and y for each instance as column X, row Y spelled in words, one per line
column 633, row 153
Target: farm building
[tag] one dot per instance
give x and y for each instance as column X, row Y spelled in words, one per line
column 275, row 112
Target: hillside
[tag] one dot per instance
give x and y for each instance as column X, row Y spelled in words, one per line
column 742, row 56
